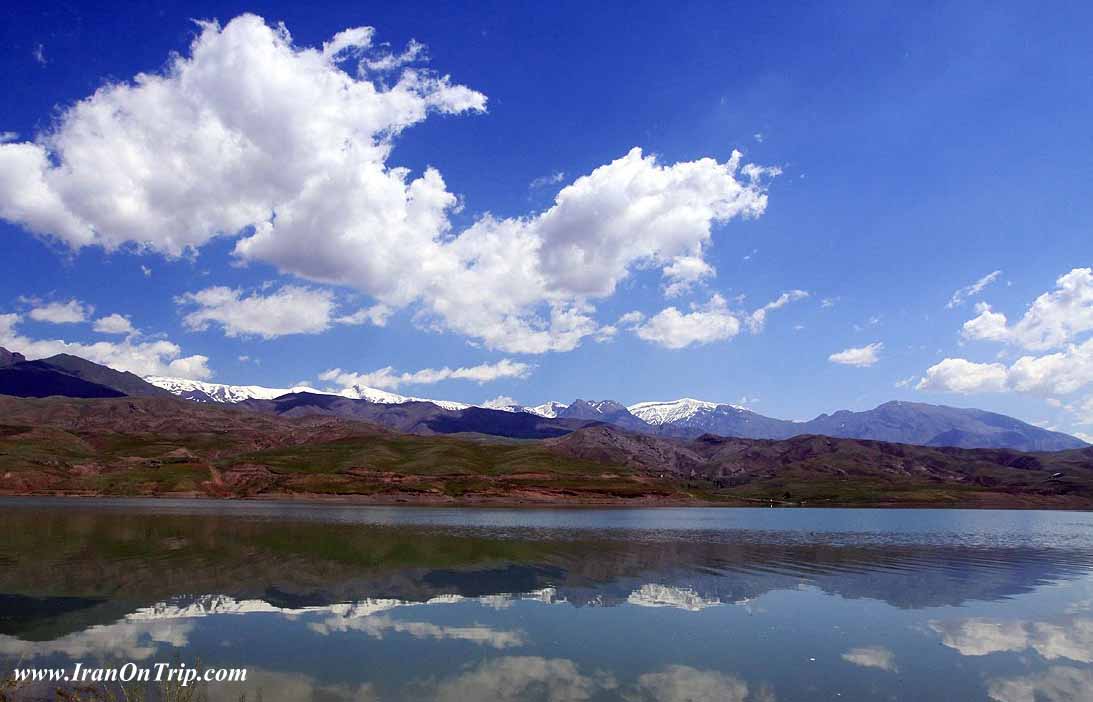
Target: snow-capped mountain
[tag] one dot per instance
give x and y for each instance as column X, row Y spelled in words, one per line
column 657, row 413
column 200, row 391
column 363, row 392
column 198, row 606
column 216, row 392
column 655, row 595
column 899, row 422
column 690, row 417
column 549, row 409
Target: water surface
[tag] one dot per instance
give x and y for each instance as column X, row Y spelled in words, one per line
column 324, row 602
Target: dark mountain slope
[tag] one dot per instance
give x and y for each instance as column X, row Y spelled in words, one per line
column 419, row 417
column 29, row 379
column 69, row 376
column 122, row 381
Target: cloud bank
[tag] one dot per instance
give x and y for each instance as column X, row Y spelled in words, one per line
column 286, row 148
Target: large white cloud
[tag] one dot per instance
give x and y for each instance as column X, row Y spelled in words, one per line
column 1054, row 319
column 1056, row 684
column 71, row 312
column 129, row 640
column 704, row 324
column 980, row 637
column 288, row 310
column 143, row 357
column 219, row 141
column 707, row 323
column 114, row 324
column 389, row 379
column 511, row 678
column 288, row 148
column 1057, row 373
column 964, row 376
column 682, row 683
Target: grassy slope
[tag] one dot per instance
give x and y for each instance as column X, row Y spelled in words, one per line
column 445, row 466
column 140, row 447
column 132, row 446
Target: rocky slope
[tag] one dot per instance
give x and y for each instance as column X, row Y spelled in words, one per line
column 167, row 446
column 843, row 470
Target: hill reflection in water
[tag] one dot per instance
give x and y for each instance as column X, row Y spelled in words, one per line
column 557, row 613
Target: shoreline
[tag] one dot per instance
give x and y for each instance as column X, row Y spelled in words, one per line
column 498, row 502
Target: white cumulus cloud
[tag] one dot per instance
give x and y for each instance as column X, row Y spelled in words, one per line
column 248, row 135
column 707, row 323
column 71, row 312
column 289, row 310
column 1056, row 321
column 1055, row 318
column 1058, row 373
column 376, row 315
column 389, row 379
column 684, row 273
column 861, row 356
column 964, row 376
column 113, row 324
column 704, row 324
column 152, row 357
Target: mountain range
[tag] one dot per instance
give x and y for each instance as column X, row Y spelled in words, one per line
column 897, row 421
column 165, row 446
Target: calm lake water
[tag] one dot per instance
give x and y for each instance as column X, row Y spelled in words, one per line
column 320, row 602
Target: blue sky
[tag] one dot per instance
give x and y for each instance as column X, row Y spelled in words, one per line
column 903, row 152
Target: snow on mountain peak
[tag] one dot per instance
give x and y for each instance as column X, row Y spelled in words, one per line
column 655, row 595
column 218, row 392
column 657, row 413
column 549, row 409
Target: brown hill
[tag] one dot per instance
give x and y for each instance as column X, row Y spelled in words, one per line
column 167, row 446
column 843, row 470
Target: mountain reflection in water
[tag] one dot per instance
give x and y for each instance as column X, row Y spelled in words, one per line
column 968, row 608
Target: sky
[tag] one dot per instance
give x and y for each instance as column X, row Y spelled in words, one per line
column 796, row 208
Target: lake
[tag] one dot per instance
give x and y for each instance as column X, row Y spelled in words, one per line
column 326, row 602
